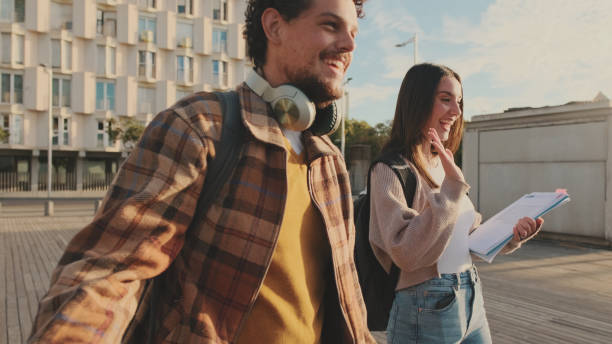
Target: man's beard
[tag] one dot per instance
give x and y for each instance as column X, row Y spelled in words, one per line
column 316, row 90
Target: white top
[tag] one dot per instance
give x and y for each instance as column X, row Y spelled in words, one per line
column 456, row 256
column 295, row 139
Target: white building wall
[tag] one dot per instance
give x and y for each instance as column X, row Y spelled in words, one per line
column 510, row 154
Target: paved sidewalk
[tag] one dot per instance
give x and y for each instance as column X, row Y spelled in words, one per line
column 546, row 292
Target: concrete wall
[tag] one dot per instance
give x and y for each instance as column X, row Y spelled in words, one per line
column 507, row 155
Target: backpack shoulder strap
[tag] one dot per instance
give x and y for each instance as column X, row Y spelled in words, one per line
column 228, row 150
column 408, row 180
column 403, row 172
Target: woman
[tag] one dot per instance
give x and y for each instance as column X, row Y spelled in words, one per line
column 438, row 296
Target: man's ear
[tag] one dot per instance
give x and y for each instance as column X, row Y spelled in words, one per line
column 271, row 21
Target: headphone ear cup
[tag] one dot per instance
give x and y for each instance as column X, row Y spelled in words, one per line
column 327, row 120
column 292, row 109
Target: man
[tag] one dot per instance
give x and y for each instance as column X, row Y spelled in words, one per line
column 271, row 261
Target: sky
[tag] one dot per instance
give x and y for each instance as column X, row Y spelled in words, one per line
column 509, row 53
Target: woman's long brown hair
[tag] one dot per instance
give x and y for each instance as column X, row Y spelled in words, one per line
column 412, row 112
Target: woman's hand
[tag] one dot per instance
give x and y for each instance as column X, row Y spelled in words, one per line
column 526, row 227
column 446, row 157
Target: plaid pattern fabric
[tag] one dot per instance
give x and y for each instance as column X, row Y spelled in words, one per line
column 212, row 267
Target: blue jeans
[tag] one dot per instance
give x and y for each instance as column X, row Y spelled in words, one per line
column 448, row 309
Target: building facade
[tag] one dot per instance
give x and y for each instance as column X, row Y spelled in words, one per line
column 109, row 60
column 507, row 155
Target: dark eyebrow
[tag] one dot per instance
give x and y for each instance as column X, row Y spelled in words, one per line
column 336, row 17
column 449, row 94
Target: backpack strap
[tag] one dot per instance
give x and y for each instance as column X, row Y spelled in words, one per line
column 408, row 180
column 228, row 151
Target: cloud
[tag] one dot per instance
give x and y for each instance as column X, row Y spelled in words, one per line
column 391, row 22
column 553, row 51
column 369, row 93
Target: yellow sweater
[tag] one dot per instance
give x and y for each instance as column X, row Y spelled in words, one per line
column 289, row 307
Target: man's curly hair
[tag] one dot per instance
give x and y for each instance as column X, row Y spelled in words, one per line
column 255, row 37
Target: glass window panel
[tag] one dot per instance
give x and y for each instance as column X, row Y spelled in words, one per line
column 113, row 59
column 110, row 95
column 68, row 55
column 183, row 30
column 223, row 40
column 18, row 86
column 17, row 130
column 6, row 88
column 224, row 9
column 6, row 46
column 99, row 95
column 55, row 53
column 19, row 11
column 99, row 22
column 66, row 131
column 101, row 60
column 20, row 48
column 66, row 88
column 217, row 9
column 6, row 10
column 180, row 67
column 56, row 92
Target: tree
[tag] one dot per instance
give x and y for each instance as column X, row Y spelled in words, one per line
column 127, row 129
column 4, row 135
column 360, row 132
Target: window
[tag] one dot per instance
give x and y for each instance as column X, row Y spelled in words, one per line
column 20, row 40
column 146, row 100
column 66, row 131
column 56, row 53
column 220, row 9
column 101, row 138
column 61, row 92
column 106, row 23
column 146, row 64
column 106, row 60
column 9, row 41
column 219, row 41
column 13, row 124
column 184, row 7
column 6, row 47
column 105, row 95
column 147, row 3
column 147, row 29
column 184, row 68
column 101, row 60
column 12, row 10
column 55, row 138
column 11, row 88
column 60, row 16
column 67, row 54
column 220, row 76
column 184, row 35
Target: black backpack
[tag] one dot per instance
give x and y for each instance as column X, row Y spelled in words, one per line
column 378, row 286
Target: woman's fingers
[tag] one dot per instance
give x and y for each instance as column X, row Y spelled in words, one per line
column 526, row 227
column 446, row 156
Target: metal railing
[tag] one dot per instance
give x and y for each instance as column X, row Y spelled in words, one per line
column 14, row 181
column 97, row 181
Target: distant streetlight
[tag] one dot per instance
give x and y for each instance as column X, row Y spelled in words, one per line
column 345, row 117
column 413, row 40
column 50, row 119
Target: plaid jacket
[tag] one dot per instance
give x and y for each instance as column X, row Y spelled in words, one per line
column 212, row 267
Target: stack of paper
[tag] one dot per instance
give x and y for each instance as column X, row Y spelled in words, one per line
column 488, row 239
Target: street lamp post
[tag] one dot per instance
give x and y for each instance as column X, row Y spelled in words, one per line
column 344, row 118
column 413, row 40
column 49, row 205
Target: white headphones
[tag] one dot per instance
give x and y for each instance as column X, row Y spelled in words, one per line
column 293, row 109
